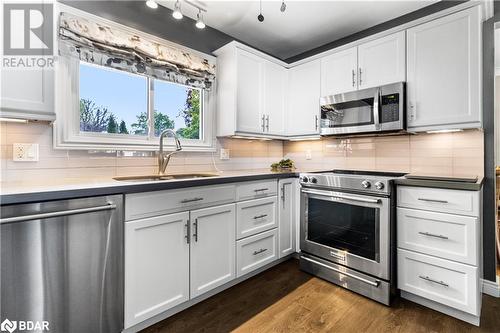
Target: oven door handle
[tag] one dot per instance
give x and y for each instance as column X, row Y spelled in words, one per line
column 359, row 278
column 341, row 196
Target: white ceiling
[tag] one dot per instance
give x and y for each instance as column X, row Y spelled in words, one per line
column 303, row 26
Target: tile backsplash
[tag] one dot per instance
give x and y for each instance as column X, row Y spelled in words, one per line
column 458, row 153
column 447, row 153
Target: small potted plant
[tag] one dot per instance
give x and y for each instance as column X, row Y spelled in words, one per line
column 283, row 165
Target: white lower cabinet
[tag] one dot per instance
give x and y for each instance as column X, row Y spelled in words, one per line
column 156, row 266
column 286, row 212
column 212, row 248
column 255, row 216
column 256, row 251
column 450, row 283
column 438, row 238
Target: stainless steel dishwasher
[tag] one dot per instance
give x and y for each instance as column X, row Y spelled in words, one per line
column 62, row 262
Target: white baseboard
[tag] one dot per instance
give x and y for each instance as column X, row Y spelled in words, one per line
column 491, row 288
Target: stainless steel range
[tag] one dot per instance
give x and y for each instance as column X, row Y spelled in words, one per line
column 346, row 230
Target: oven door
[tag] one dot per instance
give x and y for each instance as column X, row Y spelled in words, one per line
column 349, row 229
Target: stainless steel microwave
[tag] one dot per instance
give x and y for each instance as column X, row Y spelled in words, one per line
column 379, row 109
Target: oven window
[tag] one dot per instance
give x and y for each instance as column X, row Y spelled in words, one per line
column 353, row 113
column 344, row 226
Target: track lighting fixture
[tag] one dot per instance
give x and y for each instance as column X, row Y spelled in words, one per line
column 177, row 14
column 199, row 20
column 151, row 4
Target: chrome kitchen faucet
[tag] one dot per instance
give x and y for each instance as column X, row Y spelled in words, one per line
column 164, row 158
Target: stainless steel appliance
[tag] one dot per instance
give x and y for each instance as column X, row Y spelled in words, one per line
column 62, row 262
column 370, row 110
column 346, row 230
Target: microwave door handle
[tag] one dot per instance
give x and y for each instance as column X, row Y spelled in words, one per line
column 376, row 109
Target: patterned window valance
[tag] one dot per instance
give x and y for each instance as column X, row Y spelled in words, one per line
column 110, row 46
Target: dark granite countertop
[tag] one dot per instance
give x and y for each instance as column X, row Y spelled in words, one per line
column 454, row 185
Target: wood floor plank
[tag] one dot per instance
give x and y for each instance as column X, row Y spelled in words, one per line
column 285, row 299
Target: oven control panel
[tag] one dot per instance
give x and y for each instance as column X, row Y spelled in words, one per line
column 347, row 182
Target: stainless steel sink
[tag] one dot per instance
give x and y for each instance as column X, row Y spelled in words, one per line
column 154, row 178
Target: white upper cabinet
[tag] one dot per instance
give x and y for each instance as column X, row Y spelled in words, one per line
column 339, row 72
column 27, row 94
column 213, row 241
column 274, row 98
column 302, row 113
column 444, row 73
column 372, row 64
column 382, row 61
column 250, row 94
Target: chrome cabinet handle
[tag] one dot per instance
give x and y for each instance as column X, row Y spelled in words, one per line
column 267, row 123
column 359, row 278
column 191, row 200
column 359, row 77
column 188, row 232
column 259, row 251
column 426, row 278
column 283, row 194
column 40, row 216
column 316, row 122
column 195, row 234
column 259, row 216
column 412, row 113
column 433, row 200
column 432, row 235
column 353, row 78
column 260, row 189
column 263, row 119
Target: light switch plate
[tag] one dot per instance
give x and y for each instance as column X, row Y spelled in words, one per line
column 224, row 154
column 25, row 152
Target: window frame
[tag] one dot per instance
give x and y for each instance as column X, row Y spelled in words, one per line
column 67, row 132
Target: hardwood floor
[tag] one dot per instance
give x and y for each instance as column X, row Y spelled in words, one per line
column 284, row 299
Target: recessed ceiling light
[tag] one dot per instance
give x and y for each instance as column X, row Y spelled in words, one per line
column 151, row 4
column 177, row 14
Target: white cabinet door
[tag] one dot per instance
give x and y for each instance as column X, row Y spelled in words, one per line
column 286, row 214
column 339, row 72
column 302, row 112
column 382, row 61
column 156, row 266
column 27, row 94
column 212, row 248
column 444, row 72
column 249, row 87
column 274, row 98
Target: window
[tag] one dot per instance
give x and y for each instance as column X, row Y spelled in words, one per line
column 115, row 109
column 116, row 102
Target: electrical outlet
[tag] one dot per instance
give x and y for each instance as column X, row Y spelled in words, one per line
column 224, row 154
column 25, row 152
column 308, row 154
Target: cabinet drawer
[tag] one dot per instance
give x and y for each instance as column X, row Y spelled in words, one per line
column 145, row 204
column 447, row 236
column 255, row 216
column 256, row 251
column 443, row 281
column 439, row 200
column 254, row 190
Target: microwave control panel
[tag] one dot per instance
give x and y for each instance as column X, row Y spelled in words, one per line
column 390, row 108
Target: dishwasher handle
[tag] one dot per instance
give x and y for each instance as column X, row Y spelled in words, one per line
column 109, row 206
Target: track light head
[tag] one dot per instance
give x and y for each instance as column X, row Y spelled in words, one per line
column 177, row 14
column 199, row 21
